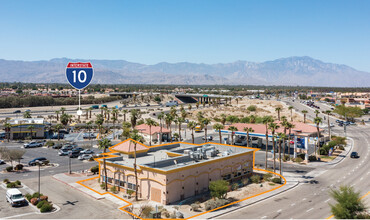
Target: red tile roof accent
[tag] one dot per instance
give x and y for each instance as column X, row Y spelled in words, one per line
column 128, row 147
column 143, row 128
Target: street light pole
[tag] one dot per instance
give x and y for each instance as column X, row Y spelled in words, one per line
column 69, row 165
column 38, row 163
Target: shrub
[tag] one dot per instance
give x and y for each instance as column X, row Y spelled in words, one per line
column 195, row 207
column 312, row 158
column 276, row 180
column 44, row 198
column 28, row 196
column 113, row 189
column 256, row 179
column 102, row 185
column 46, row 162
column 36, row 195
column 94, row 169
column 245, row 181
column 218, row 188
column 47, row 207
column 50, row 143
column 33, row 201
column 267, row 176
column 6, row 181
column 301, row 156
column 145, row 210
column 11, row 185
column 18, row 182
column 9, row 169
column 209, row 205
column 130, row 192
column 166, row 214
column 252, row 108
column 40, row 204
column 18, row 167
column 286, row 158
column 298, row 160
column 221, row 202
column 341, row 148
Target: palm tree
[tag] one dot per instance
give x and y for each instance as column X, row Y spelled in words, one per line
column 191, row 125
column 135, row 115
column 205, row 122
column 27, row 114
column 291, row 112
column 88, row 125
column 284, row 123
column 273, row 127
column 57, row 112
column 304, row 115
column 169, row 119
column 189, row 107
column 197, row 105
column 246, row 129
column 328, row 113
column 150, row 122
column 64, row 119
column 282, row 138
column 87, row 113
column 58, row 127
column 289, row 126
column 218, row 127
column 62, row 109
column 223, row 119
column 317, row 121
column 7, row 127
column 90, row 110
column 99, row 122
column 266, row 120
column 104, row 144
column 160, row 117
column 278, row 109
column 124, row 114
column 135, row 139
column 114, row 120
column 31, row 127
column 232, row 129
column 317, row 112
column 180, row 120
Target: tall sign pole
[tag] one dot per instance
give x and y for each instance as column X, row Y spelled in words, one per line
column 79, row 76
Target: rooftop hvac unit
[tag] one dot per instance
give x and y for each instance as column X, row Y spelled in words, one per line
column 225, row 153
column 187, row 151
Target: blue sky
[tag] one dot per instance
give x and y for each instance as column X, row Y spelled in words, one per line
column 200, row 31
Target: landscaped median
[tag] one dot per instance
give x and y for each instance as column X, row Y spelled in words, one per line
column 40, row 201
column 221, row 195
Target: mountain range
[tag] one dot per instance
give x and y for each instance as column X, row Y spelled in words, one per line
column 293, row 71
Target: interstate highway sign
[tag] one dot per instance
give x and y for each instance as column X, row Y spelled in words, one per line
column 79, row 75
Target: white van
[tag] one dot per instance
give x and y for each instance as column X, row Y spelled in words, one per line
column 15, row 197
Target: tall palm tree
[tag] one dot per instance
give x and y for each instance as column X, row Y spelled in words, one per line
column 223, row 119
column 169, row 119
column 57, row 112
column 135, row 115
column 64, row 119
column 284, row 123
column 150, row 122
column 205, row 122
column 114, row 120
column 124, row 114
column 90, row 110
column 191, row 125
column 317, row 121
column 99, row 122
column 88, row 125
column 291, row 112
column 7, row 127
column 104, row 144
column 282, row 138
column 232, row 129
column 31, row 127
column 278, row 109
column 246, row 129
column 87, row 113
column 58, row 127
column 304, row 115
column 135, row 139
column 218, row 127
column 290, row 126
column 161, row 117
column 115, row 112
column 266, row 120
column 273, row 127
column 329, row 129
column 180, row 120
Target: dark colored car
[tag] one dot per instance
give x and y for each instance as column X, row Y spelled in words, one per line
column 354, row 155
column 34, row 161
column 78, row 149
column 74, row 154
column 17, row 111
column 67, row 147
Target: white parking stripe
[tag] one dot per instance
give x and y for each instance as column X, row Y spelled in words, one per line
column 327, row 200
column 309, row 210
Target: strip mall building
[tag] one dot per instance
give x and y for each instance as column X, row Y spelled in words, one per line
column 173, row 172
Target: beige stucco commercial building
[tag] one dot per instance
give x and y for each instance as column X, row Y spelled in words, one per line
column 173, row 172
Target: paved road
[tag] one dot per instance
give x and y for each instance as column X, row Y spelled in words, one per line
column 312, row 200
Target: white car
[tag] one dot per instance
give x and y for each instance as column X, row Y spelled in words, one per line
column 85, row 157
column 32, row 144
column 87, row 151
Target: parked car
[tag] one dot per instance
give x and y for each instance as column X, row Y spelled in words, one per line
column 32, row 144
column 55, row 136
column 34, row 161
column 27, row 110
column 73, row 154
column 85, row 157
column 89, row 135
column 67, row 147
column 17, row 111
column 354, row 155
column 15, row 198
column 2, row 162
column 57, row 146
column 78, row 149
column 63, row 152
column 63, row 131
column 209, row 138
column 87, row 151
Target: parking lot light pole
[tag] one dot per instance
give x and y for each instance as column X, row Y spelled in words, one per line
column 70, row 170
column 39, row 164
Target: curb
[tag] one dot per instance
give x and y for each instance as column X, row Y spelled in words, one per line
column 257, row 201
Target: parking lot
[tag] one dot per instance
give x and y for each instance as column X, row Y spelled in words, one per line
column 7, row 210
